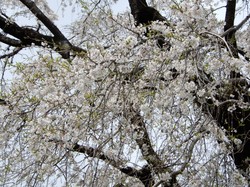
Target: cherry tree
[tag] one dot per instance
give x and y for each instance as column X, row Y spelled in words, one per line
column 158, row 95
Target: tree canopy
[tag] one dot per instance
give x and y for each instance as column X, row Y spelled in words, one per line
column 156, row 95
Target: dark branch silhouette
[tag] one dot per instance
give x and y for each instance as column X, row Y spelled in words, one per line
column 144, row 15
column 25, row 37
column 144, row 174
column 229, row 20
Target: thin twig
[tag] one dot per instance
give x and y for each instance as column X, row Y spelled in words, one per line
column 221, row 38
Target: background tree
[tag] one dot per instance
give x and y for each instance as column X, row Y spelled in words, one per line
column 104, row 105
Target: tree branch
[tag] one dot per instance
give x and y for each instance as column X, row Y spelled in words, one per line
column 188, row 157
column 141, row 174
column 10, row 41
column 143, row 141
column 96, row 153
column 224, row 42
column 137, row 5
column 143, row 14
column 234, row 29
column 229, row 20
column 28, row 36
column 230, row 14
column 11, row 54
column 45, row 20
column 155, row 164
